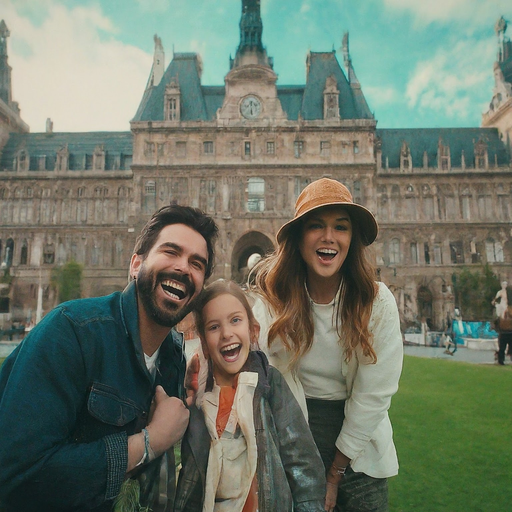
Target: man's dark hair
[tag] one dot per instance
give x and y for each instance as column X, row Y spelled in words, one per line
column 176, row 214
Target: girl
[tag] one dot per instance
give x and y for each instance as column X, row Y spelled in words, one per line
column 248, row 447
column 335, row 335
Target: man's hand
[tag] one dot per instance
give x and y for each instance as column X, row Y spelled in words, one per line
column 169, row 421
column 191, row 379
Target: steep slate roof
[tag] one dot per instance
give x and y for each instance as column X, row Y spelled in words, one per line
column 185, row 70
column 322, row 66
column 427, row 139
column 79, row 144
column 200, row 103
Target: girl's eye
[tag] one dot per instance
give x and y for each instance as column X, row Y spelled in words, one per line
column 341, row 228
column 314, row 225
column 213, row 327
column 236, row 319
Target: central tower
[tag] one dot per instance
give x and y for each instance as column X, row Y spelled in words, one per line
column 251, row 50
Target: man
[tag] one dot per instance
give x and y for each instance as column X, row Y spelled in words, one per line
column 76, row 394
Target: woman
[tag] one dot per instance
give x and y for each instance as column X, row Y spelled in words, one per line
column 334, row 333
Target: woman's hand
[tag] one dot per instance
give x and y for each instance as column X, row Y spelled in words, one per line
column 331, row 494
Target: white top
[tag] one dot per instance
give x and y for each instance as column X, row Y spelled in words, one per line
column 321, row 376
column 151, row 363
column 366, row 436
column 233, row 457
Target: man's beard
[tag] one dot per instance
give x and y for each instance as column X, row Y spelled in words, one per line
column 170, row 313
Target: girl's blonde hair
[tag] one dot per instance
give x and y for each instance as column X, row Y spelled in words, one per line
column 280, row 279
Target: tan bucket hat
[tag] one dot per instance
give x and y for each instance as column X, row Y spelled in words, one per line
column 327, row 192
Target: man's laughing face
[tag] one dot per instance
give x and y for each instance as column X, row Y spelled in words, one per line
column 172, row 275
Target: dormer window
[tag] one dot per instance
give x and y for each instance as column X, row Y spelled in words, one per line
column 172, row 104
column 443, row 156
column 331, row 99
column 481, row 155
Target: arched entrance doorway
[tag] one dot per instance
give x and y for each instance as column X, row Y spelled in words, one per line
column 249, row 244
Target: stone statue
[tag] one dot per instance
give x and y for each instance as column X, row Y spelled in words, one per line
column 500, row 301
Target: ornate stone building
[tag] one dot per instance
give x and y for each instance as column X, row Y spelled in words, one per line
column 243, row 152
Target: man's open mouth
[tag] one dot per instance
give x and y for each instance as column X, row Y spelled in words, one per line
column 230, row 353
column 326, row 254
column 174, row 289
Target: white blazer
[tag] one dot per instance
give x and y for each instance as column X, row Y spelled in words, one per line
column 366, row 436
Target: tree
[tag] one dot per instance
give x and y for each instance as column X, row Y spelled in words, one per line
column 67, row 279
column 474, row 292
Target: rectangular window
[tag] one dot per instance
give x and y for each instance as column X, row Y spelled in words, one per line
column 247, row 148
column 438, row 254
column 88, row 162
column 456, row 252
column 465, row 207
column 355, row 147
column 271, row 147
column 208, row 147
column 181, row 149
column 298, row 148
column 325, row 148
column 255, row 195
column 414, row 253
column 426, row 251
column 173, row 110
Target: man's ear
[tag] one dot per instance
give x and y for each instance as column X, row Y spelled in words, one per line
column 135, row 264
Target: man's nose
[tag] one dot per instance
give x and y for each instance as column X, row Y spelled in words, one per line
column 182, row 265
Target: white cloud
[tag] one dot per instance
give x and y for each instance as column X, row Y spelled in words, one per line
column 71, row 68
column 477, row 12
column 449, row 81
column 380, row 95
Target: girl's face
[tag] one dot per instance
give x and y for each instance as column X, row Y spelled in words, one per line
column 227, row 337
column 325, row 241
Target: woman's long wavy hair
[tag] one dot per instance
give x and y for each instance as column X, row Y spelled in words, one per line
column 280, row 279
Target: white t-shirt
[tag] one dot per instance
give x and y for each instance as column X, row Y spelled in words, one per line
column 320, row 369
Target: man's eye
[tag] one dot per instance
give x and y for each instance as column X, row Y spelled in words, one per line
column 198, row 265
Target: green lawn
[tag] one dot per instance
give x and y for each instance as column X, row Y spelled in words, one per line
column 452, row 427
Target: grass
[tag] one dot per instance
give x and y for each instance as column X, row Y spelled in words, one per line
column 452, row 425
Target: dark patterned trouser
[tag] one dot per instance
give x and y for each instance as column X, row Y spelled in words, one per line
column 358, row 492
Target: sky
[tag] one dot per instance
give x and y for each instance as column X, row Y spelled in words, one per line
column 85, row 63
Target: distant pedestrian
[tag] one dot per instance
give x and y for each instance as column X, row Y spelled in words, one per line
column 504, row 328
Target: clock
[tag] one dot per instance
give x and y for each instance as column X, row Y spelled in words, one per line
column 250, row 107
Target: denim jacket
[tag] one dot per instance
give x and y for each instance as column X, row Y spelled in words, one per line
column 70, row 395
column 290, row 472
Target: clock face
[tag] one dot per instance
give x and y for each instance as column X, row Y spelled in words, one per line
column 250, row 107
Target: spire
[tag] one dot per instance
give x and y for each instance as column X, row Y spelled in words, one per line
column 251, row 30
column 351, row 74
column 5, row 69
column 157, row 71
column 251, row 26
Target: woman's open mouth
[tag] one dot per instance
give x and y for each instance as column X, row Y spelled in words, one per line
column 326, row 254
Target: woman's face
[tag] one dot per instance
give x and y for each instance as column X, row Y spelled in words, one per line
column 325, row 241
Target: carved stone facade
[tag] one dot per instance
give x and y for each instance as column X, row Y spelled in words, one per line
column 243, row 152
